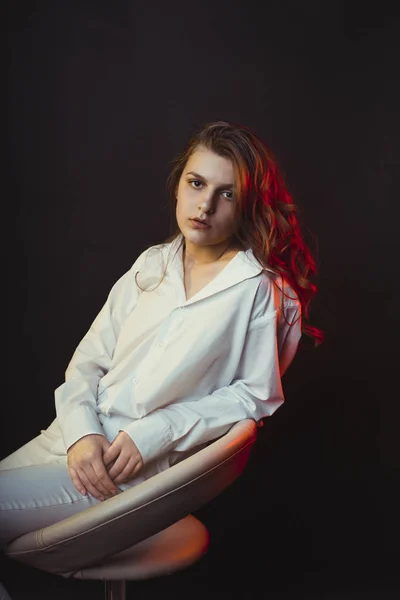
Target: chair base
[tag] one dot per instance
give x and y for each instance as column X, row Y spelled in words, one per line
column 115, row 590
column 172, row 549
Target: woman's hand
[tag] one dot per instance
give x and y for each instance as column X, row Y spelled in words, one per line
column 125, row 456
column 87, row 469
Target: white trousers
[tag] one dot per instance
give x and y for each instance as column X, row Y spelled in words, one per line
column 36, row 489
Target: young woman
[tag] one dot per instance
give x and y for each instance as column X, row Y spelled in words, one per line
column 193, row 338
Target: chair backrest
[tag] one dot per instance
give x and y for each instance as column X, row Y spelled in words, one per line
column 136, row 514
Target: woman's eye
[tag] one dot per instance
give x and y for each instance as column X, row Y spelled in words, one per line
column 197, row 184
column 194, row 183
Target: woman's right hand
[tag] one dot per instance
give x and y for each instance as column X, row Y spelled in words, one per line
column 86, row 466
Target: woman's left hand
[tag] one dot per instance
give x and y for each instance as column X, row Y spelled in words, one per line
column 125, row 458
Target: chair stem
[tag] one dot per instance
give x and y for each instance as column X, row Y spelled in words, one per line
column 115, row 590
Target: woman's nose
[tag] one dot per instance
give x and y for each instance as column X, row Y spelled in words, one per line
column 207, row 203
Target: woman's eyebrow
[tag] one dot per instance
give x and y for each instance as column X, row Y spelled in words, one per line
column 223, row 185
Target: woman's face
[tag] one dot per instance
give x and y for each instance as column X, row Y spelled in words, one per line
column 206, row 191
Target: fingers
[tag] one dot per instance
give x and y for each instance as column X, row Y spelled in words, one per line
column 87, row 470
column 91, row 488
column 89, row 457
column 125, row 468
column 102, row 479
column 118, row 466
column 111, row 454
column 96, row 484
column 129, row 471
column 89, row 484
column 77, row 481
column 123, row 451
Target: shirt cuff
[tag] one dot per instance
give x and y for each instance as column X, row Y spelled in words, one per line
column 78, row 423
column 151, row 434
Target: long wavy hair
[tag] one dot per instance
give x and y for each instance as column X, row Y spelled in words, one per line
column 268, row 220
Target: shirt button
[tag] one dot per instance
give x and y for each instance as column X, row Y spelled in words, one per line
column 181, row 308
column 135, row 380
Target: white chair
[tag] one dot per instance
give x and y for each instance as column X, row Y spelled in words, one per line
column 147, row 531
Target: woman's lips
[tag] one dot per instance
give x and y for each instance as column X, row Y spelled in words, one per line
column 199, row 225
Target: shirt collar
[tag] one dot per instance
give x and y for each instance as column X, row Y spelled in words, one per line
column 243, row 265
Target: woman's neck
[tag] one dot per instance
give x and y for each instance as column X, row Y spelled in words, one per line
column 207, row 255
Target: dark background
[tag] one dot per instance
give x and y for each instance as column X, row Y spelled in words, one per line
column 101, row 96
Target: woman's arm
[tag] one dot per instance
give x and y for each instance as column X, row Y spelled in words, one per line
column 257, row 392
column 76, row 398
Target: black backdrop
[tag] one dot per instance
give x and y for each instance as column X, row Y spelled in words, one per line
column 101, row 96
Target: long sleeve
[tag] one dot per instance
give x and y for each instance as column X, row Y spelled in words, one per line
column 76, row 398
column 255, row 393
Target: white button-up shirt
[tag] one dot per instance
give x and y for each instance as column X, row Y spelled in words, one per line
column 175, row 373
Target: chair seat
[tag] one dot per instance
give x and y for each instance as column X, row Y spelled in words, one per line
column 124, row 521
column 170, row 550
column 148, row 530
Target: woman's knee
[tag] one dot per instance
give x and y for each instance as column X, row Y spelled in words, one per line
column 37, row 496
